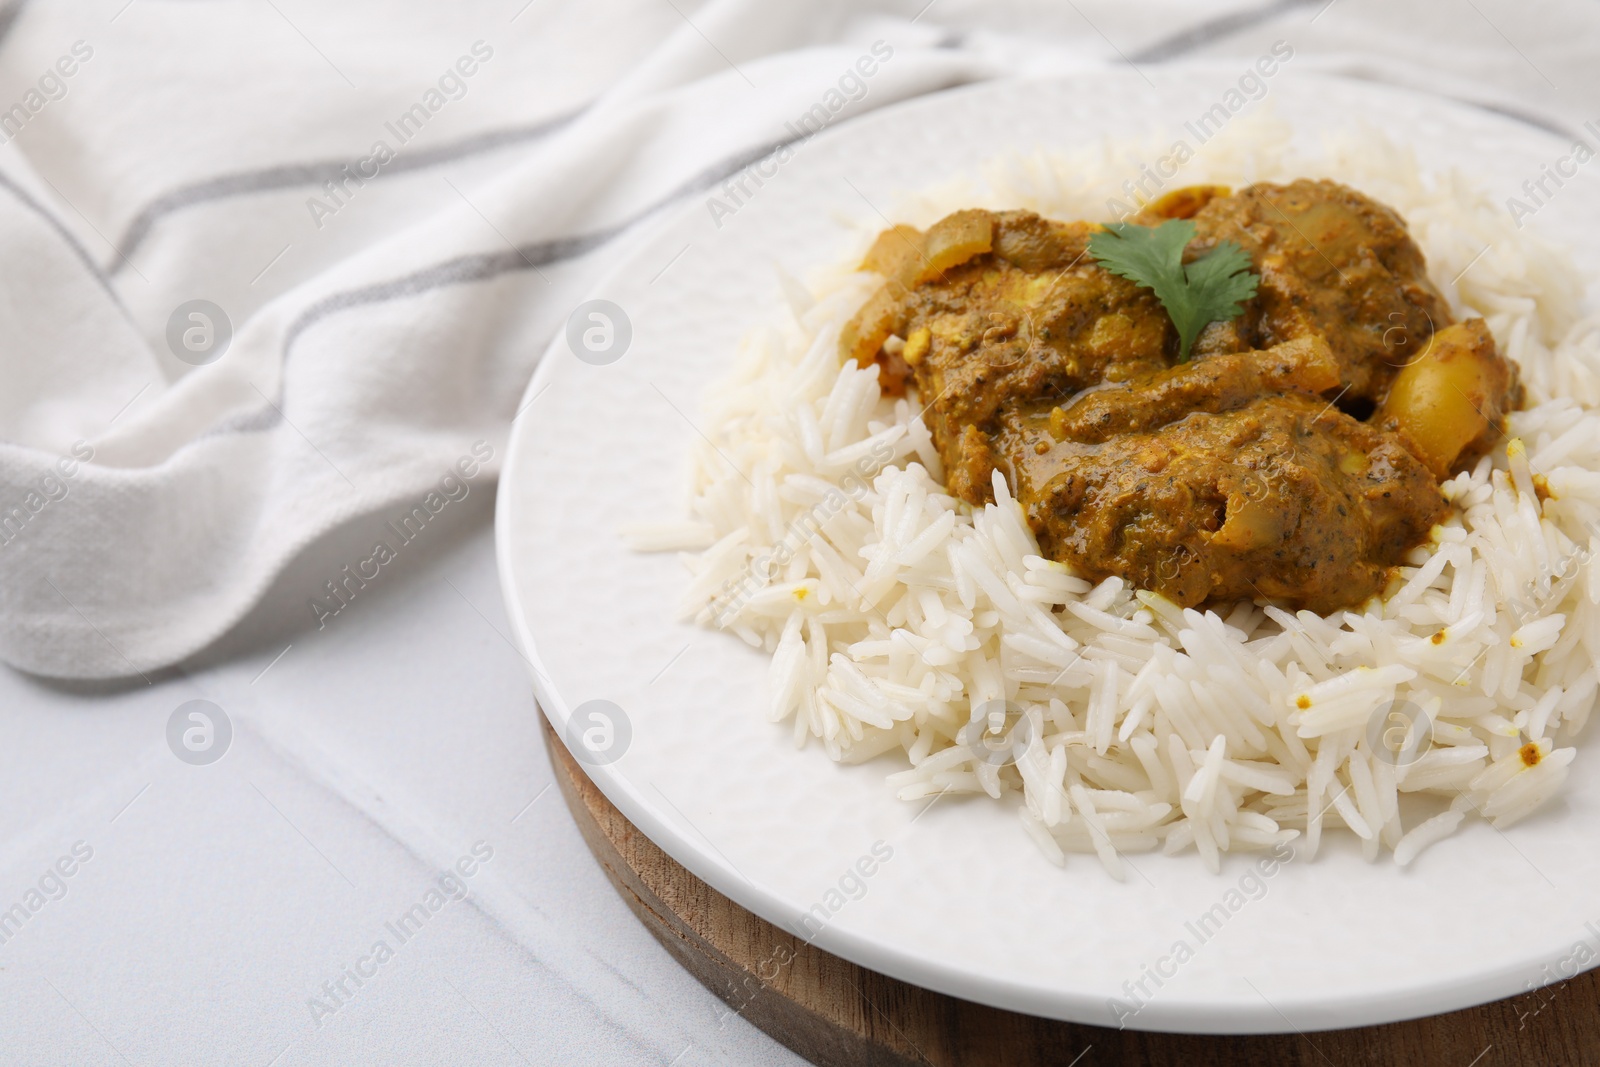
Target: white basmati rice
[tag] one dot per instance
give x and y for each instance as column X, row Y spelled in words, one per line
column 898, row 617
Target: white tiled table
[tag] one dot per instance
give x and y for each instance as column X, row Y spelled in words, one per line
column 364, row 762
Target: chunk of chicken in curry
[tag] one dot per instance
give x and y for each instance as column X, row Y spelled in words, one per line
column 1296, row 457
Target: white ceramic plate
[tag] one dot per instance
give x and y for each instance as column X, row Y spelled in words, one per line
column 966, row 904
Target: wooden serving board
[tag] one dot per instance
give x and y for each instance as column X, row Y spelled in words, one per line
column 837, row 1014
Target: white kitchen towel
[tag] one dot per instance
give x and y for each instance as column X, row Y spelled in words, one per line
column 266, row 266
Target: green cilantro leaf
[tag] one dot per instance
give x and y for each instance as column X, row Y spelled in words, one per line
column 1213, row 287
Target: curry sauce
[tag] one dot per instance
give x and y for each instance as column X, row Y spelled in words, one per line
column 1295, row 458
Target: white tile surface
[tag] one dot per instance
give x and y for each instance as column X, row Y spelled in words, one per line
column 367, row 759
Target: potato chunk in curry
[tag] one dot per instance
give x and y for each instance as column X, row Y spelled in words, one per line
column 1295, row 458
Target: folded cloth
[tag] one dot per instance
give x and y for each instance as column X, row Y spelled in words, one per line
column 270, row 267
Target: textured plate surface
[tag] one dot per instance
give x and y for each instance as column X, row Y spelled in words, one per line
column 965, row 904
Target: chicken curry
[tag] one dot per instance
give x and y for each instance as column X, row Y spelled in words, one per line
column 1296, row 456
